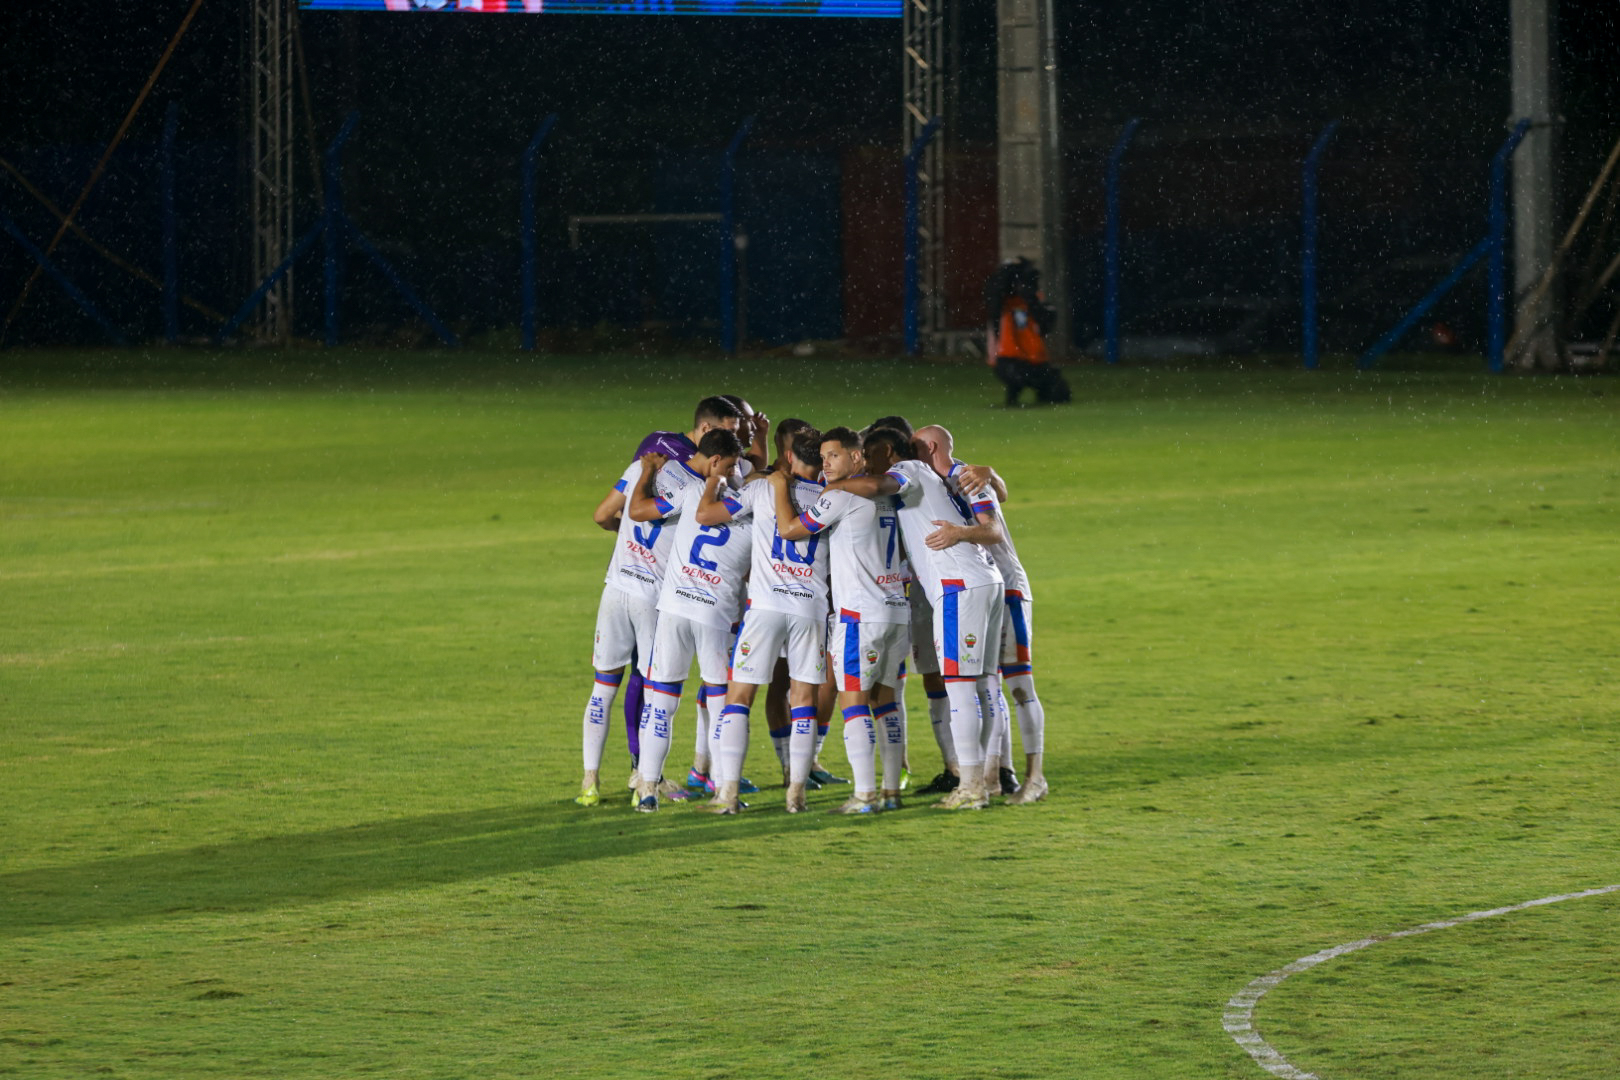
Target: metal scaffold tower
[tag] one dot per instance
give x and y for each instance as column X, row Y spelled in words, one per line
column 270, row 156
column 925, row 93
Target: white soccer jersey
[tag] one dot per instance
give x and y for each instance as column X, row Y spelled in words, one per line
column 868, row 568
column 707, row 563
column 641, row 549
column 1004, row 555
column 925, row 498
column 789, row 576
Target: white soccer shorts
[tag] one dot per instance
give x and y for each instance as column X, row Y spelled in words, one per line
column 967, row 629
column 625, row 626
column 1017, row 631
column 866, row 654
column 764, row 637
column 924, row 659
column 678, row 641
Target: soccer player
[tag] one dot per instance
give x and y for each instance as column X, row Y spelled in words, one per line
column 698, row 600
column 787, row 611
column 871, row 631
column 712, row 412
column 963, row 586
column 1017, row 671
column 627, row 615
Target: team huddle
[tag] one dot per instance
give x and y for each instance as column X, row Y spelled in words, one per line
column 819, row 576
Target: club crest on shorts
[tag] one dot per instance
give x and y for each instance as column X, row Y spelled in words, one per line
column 743, row 648
column 971, row 640
column 871, row 656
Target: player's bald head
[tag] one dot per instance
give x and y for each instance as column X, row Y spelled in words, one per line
column 934, row 444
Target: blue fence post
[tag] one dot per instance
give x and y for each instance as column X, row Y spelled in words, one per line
column 728, row 239
column 911, row 290
column 61, row 279
column 1496, row 304
column 531, row 165
column 171, row 261
column 332, row 226
column 1308, row 244
column 1111, row 244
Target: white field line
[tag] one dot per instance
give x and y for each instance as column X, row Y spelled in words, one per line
column 1239, row 1016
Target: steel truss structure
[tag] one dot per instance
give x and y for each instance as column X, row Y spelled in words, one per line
column 924, row 96
column 270, row 133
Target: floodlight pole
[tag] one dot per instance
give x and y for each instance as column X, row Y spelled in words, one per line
column 728, row 238
column 531, row 165
column 1533, row 181
column 1111, row 244
column 1308, row 244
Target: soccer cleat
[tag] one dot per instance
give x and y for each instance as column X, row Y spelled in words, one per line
column 699, row 783
column 1009, row 782
column 635, row 779
column 858, row 804
column 795, row 799
column 1032, row 792
column 890, row 800
column 746, row 786
column 822, row 778
column 943, row 784
column 905, row 779
column 963, row 799
column 726, row 801
column 672, row 791
column 589, row 797
column 648, row 804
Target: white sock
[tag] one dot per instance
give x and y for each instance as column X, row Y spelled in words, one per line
column 939, row 716
column 988, row 733
column 702, row 759
column 1031, row 713
column 1003, row 741
column 802, row 744
column 966, row 726
column 599, row 717
column 731, row 744
column 657, row 721
column 860, row 742
column 893, row 747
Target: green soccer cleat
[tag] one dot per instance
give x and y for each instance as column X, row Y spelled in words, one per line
column 589, row 797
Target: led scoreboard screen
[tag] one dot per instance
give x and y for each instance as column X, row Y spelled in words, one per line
column 870, row 9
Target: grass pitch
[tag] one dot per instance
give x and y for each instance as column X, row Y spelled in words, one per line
column 294, row 652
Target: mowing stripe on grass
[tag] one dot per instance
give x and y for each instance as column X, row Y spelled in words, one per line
column 1237, row 1020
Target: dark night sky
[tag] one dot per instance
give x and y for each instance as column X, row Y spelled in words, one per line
column 73, row 67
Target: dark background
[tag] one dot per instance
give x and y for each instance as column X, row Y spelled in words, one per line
column 1230, row 92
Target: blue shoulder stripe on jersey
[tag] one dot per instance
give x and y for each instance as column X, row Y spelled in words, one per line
column 731, row 504
column 810, row 523
column 621, row 487
column 984, row 506
column 665, row 507
column 899, row 477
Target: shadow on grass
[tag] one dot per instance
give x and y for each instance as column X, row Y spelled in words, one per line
column 275, row 871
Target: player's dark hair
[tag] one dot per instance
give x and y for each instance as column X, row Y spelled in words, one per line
column 714, row 410
column 743, row 408
column 807, row 446
column 848, row 438
column 720, row 443
column 899, row 423
column 790, row 426
column 898, row 442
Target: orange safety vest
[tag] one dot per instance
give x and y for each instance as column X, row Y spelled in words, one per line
column 1018, row 338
